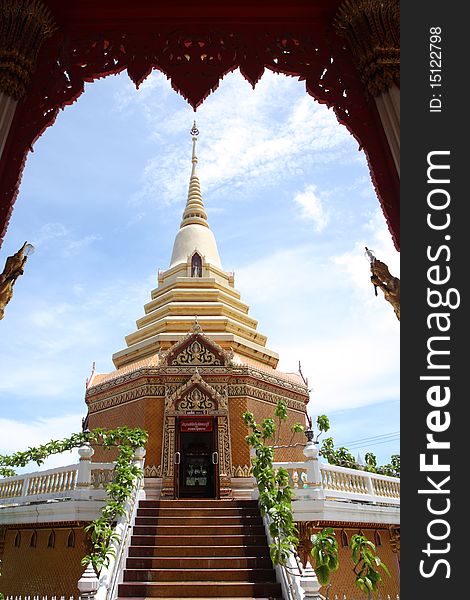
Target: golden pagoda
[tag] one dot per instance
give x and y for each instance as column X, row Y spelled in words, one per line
column 194, row 364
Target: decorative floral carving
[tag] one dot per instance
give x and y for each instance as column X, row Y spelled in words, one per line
column 305, row 530
column 261, row 393
column 172, row 400
column 225, row 461
column 372, row 28
column 153, row 471
column 141, row 391
column 195, row 400
column 24, row 25
column 241, row 471
column 395, row 539
column 195, row 354
column 168, row 446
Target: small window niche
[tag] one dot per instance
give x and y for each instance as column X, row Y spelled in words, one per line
column 196, row 265
column 377, row 538
column 51, row 540
column 71, row 539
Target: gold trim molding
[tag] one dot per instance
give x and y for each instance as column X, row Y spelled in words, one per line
column 372, row 28
column 24, row 25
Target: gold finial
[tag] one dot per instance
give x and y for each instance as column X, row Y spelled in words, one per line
column 194, row 130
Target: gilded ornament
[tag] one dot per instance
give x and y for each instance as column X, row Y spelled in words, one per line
column 372, row 28
column 24, row 25
column 14, row 267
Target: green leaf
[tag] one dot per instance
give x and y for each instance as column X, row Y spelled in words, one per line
column 323, row 574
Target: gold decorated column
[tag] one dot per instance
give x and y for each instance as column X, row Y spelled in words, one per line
column 24, row 25
column 372, row 28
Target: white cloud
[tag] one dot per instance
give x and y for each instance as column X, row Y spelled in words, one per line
column 311, row 207
column 63, row 338
column 18, row 436
column 323, row 312
column 255, row 140
column 49, row 231
column 355, row 265
column 75, row 247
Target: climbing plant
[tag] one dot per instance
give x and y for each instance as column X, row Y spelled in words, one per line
column 365, row 564
column 275, row 500
column 325, row 554
column 127, row 440
column 275, row 493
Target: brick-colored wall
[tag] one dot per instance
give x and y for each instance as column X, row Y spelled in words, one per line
column 146, row 413
column 42, row 570
column 263, row 410
column 343, row 580
column 238, row 432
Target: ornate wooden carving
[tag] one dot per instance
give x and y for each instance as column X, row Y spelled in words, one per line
column 196, row 400
column 372, row 28
column 24, row 25
column 195, row 58
column 196, row 349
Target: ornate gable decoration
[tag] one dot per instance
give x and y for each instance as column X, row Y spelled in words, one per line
column 196, row 395
column 196, row 349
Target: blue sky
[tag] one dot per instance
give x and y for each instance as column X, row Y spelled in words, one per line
column 289, row 198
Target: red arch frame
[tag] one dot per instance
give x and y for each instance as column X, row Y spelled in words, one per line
column 195, row 45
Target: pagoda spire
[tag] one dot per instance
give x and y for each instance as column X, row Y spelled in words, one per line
column 194, row 212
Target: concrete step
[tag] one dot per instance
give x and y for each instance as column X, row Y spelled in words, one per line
column 216, row 511
column 195, row 503
column 211, row 562
column 194, row 589
column 198, row 540
column 198, row 530
column 205, row 598
column 189, row 520
column 210, row 575
column 237, row 551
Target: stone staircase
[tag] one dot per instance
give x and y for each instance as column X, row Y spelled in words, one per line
column 199, row 549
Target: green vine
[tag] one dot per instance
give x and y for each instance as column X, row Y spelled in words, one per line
column 365, row 564
column 325, row 554
column 275, row 493
column 118, row 491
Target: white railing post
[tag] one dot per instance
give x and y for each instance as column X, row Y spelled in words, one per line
column 310, row 584
column 139, row 456
column 84, row 466
column 313, row 470
column 24, row 489
column 88, row 583
column 370, row 487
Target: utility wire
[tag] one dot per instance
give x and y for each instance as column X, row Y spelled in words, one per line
column 369, row 445
column 368, row 439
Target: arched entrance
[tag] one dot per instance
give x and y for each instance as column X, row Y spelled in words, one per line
column 61, row 46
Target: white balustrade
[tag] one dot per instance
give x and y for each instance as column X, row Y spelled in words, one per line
column 61, row 482
column 341, row 483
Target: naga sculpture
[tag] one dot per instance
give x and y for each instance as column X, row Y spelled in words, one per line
column 14, row 267
column 383, row 279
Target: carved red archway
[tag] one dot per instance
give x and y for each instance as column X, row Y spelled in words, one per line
column 195, row 45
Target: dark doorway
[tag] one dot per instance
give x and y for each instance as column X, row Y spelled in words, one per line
column 196, row 458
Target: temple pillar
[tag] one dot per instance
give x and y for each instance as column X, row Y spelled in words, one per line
column 372, row 28
column 168, row 453
column 25, row 24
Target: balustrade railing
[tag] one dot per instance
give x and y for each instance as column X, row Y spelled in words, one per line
column 40, row 597
column 55, row 483
column 331, row 481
